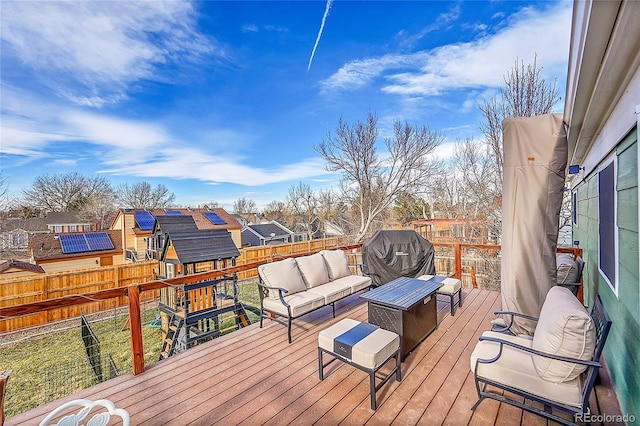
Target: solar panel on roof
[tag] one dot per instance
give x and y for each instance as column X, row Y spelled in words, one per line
column 99, row 241
column 144, row 219
column 174, row 212
column 79, row 243
column 73, row 243
column 214, row 218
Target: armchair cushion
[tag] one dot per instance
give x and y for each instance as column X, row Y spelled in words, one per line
column 567, row 269
column 337, row 264
column 283, row 274
column 565, row 328
column 515, row 368
column 313, row 269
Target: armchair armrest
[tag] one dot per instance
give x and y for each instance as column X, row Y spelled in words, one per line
column 511, row 315
column 280, row 290
column 574, row 287
column 503, row 343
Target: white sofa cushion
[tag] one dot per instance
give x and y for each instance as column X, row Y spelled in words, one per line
column 313, row 269
column 337, row 263
column 331, row 291
column 356, row 282
column 283, row 274
column 300, row 303
column 565, row 328
column 515, row 368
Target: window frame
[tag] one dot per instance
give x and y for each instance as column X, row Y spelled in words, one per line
column 613, row 284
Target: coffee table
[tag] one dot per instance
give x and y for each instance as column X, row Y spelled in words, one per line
column 406, row 306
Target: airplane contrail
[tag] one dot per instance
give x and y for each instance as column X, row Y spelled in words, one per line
column 315, row 46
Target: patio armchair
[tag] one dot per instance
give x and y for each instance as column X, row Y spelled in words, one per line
column 104, row 410
column 557, row 367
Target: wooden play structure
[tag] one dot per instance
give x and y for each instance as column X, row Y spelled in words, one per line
column 195, row 312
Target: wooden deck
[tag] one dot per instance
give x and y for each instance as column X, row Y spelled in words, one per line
column 253, row 376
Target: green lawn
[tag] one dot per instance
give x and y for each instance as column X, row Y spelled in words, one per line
column 48, row 367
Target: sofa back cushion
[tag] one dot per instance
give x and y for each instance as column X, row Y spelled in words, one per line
column 565, row 328
column 337, row 264
column 283, row 274
column 313, row 269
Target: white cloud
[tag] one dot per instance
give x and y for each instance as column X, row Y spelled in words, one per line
column 409, row 41
column 134, row 147
column 250, row 28
column 90, row 52
column 195, row 163
column 476, row 64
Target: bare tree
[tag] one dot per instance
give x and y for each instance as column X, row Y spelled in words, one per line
column 479, row 169
column 329, row 208
column 278, row 211
column 526, row 94
column 303, row 205
column 142, row 195
column 244, row 206
column 65, row 191
column 4, row 189
column 100, row 210
column 478, row 198
column 371, row 182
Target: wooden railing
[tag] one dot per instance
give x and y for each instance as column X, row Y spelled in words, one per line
column 133, row 292
column 39, row 288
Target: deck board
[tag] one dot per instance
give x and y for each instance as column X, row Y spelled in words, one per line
column 253, row 376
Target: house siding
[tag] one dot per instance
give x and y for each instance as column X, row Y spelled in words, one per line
column 623, row 345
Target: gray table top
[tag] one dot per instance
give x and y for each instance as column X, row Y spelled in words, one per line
column 404, row 292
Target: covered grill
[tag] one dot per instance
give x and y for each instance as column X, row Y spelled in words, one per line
column 392, row 254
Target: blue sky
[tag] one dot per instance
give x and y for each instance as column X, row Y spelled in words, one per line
column 222, row 100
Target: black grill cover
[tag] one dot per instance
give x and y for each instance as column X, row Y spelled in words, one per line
column 392, row 254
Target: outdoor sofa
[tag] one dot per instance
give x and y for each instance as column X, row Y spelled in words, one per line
column 293, row 287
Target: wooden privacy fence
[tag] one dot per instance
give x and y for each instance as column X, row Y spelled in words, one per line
column 39, row 288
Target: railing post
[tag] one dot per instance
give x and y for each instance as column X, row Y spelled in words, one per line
column 137, row 350
column 458, row 259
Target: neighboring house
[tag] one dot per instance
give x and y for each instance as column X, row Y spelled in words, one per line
column 266, row 234
column 183, row 248
column 64, row 222
column 136, row 226
column 15, row 233
column 602, row 109
column 241, row 220
column 67, row 252
column 319, row 230
column 17, row 268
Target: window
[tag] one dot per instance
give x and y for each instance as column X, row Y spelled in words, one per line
column 607, row 226
column 73, row 228
column 57, row 228
column 574, row 208
column 17, row 240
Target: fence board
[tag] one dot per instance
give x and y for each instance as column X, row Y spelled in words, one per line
column 24, row 290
